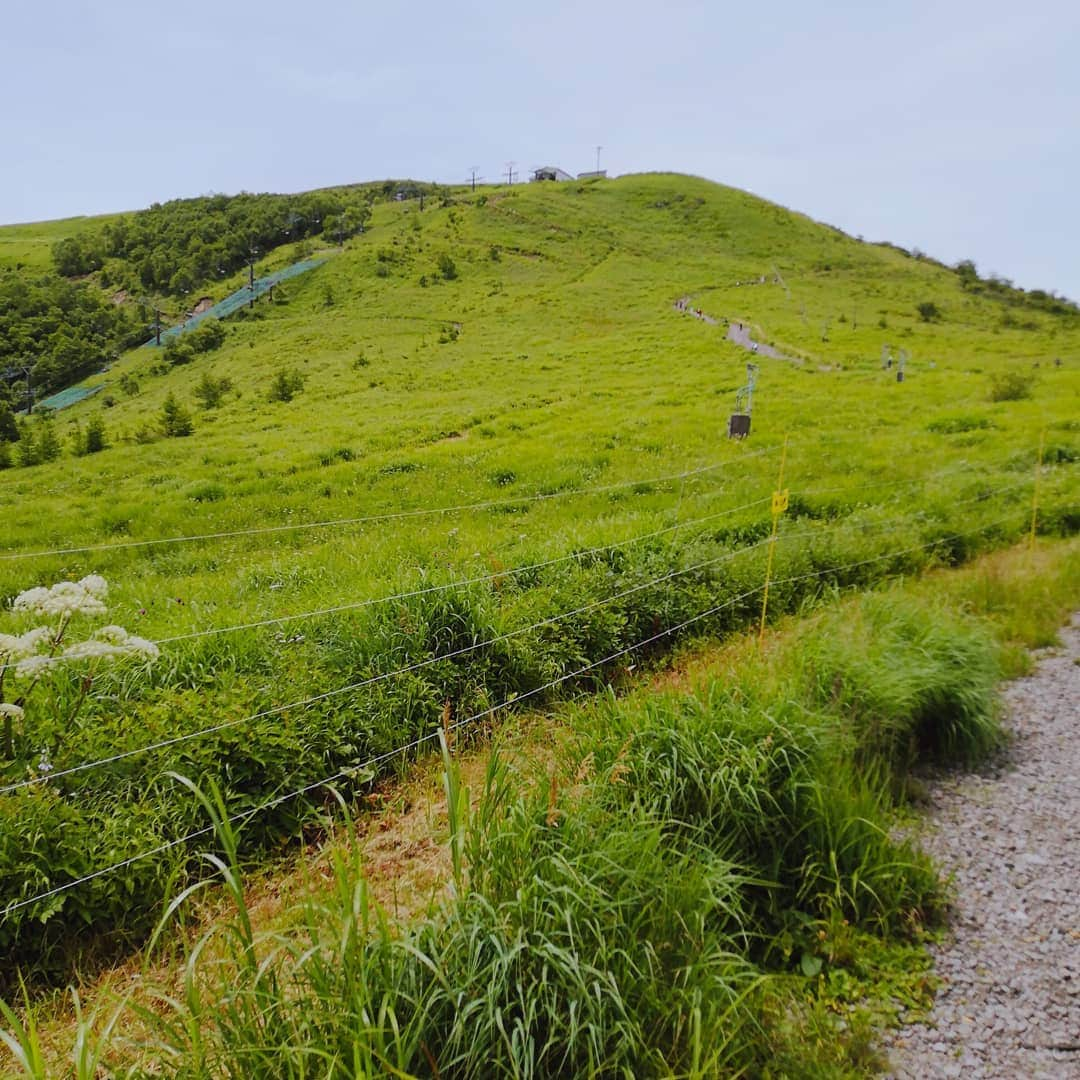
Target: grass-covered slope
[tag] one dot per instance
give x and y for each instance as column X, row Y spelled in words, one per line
column 517, row 349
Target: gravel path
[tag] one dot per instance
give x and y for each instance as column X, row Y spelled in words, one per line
column 1009, row 1003
column 738, row 332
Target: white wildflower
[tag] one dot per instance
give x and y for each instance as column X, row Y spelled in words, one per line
column 32, row 641
column 92, row 650
column 8, row 709
column 44, row 765
column 14, row 649
column 65, row 598
column 30, row 599
column 111, row 643
column 138, row 646
column 95, row 585
column 33, row 666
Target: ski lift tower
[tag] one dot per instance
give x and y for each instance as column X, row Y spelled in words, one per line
column 739, row 424
column 901, row 363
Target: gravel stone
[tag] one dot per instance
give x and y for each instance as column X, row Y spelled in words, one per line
column 1009, row 835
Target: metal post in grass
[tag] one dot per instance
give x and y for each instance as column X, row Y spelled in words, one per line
column 779, row 505
column 1035, row 492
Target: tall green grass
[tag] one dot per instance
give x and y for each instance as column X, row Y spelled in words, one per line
column 666, row 902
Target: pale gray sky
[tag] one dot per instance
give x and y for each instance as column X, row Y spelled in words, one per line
column 951, row 126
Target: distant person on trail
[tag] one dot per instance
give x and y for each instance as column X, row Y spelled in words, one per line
column 753, row 348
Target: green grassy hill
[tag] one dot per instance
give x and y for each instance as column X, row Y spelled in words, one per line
column 516, row 353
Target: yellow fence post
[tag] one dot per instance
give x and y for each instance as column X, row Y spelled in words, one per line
column 779, row 505
column 1035, row 493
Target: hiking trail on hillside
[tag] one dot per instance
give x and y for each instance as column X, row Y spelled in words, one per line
column 1009, row 1001
column 737, row 332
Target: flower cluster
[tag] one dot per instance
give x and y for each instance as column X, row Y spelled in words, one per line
column 29, row 657
column 32, row 654
column 17, row 647
column 111, row 642
column 66, row 598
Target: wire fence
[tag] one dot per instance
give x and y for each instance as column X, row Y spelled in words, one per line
column 399, row 515
column 364, row 768
column 236, row 300
column 508, row 572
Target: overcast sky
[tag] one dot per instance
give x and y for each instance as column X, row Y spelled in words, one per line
column 951, row 126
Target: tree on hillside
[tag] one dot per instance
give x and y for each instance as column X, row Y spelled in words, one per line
column 967, row 272
column 9, row 430
column 175, row 419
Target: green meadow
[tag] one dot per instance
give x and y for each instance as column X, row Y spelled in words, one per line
column 502, row 476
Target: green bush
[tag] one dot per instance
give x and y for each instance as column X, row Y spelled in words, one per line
column 953, row 425
column 447, row 267
column 92, row 440
column 175, row 419
column 286, row 385
column 211, row 390
column 1012, row 384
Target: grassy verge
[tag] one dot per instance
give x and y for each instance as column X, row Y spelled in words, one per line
column 701, row 880
column 460, row 652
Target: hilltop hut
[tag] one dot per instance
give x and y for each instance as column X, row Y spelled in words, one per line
column 550, row 172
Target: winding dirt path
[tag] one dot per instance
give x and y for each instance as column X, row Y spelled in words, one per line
column 737, row 332
column 1009, row 1003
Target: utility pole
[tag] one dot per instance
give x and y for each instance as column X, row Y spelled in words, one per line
column 472, row 178
column 598, row 149
column 510, row 171
column 251, row 275
column 29, row 389
column 144, row 303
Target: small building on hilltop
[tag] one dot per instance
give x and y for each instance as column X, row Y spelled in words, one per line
column 550, row 172
column 596, row 174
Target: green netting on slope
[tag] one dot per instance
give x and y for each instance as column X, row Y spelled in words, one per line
column 241, row 298
column 68, row 397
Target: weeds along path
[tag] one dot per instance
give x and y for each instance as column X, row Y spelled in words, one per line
column 1009, row 1004
column 737, row 332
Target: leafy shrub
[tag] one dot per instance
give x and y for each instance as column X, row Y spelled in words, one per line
column 209, row 492
column 1012, row 384
column 447, row 267
column 286, row 385
column 210, row 390
column 954, row 425
column 175, row 419
column 92, row 440
column 342, row 453
column 9, row 428
column 929, row 311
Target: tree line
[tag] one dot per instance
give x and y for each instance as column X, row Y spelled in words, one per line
column 175, row 247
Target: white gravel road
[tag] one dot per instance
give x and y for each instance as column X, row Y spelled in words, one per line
column 1009, row 1004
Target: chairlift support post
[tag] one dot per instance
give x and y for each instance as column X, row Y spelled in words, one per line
column 739, row 422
